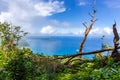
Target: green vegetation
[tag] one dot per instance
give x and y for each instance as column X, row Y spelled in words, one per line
column 23, row 64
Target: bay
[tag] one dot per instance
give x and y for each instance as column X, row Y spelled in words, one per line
column 64, row 45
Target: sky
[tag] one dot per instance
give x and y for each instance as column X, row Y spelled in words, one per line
column 61, row 17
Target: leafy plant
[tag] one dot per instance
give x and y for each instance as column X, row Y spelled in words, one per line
column 10, row 35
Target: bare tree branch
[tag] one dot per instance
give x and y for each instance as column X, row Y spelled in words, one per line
column 116, row 36
column 84, row 23
column 88, row 29
column 88, row 53
column 115, row 53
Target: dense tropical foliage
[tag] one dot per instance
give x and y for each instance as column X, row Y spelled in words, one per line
column 22, row 64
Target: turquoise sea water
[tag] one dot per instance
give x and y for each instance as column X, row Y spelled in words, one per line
column 64, row 45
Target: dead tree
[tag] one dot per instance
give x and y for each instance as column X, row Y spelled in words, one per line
column 88, row 29
column 115, row 53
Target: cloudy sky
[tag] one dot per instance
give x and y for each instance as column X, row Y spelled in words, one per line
column 60, row 17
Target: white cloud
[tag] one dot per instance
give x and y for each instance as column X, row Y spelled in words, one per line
column 80, row 32
column 82, row 3
column 112, row 3
column 108, row 30
column 101, row 31
column 22, row 12
column 95, row 31
column 47, row 9
column 77, row 31
column 4, row 16
column 71, row 31
column 48, row 30
column 58, row 23
column 65, row 24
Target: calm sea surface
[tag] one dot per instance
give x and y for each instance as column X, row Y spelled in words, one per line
column 64, row 45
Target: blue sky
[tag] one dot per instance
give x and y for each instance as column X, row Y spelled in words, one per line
column 60, row 17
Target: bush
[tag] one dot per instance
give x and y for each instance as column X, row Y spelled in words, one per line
column 21, row 67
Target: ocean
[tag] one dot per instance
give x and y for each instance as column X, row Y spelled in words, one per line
column 65, row 45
